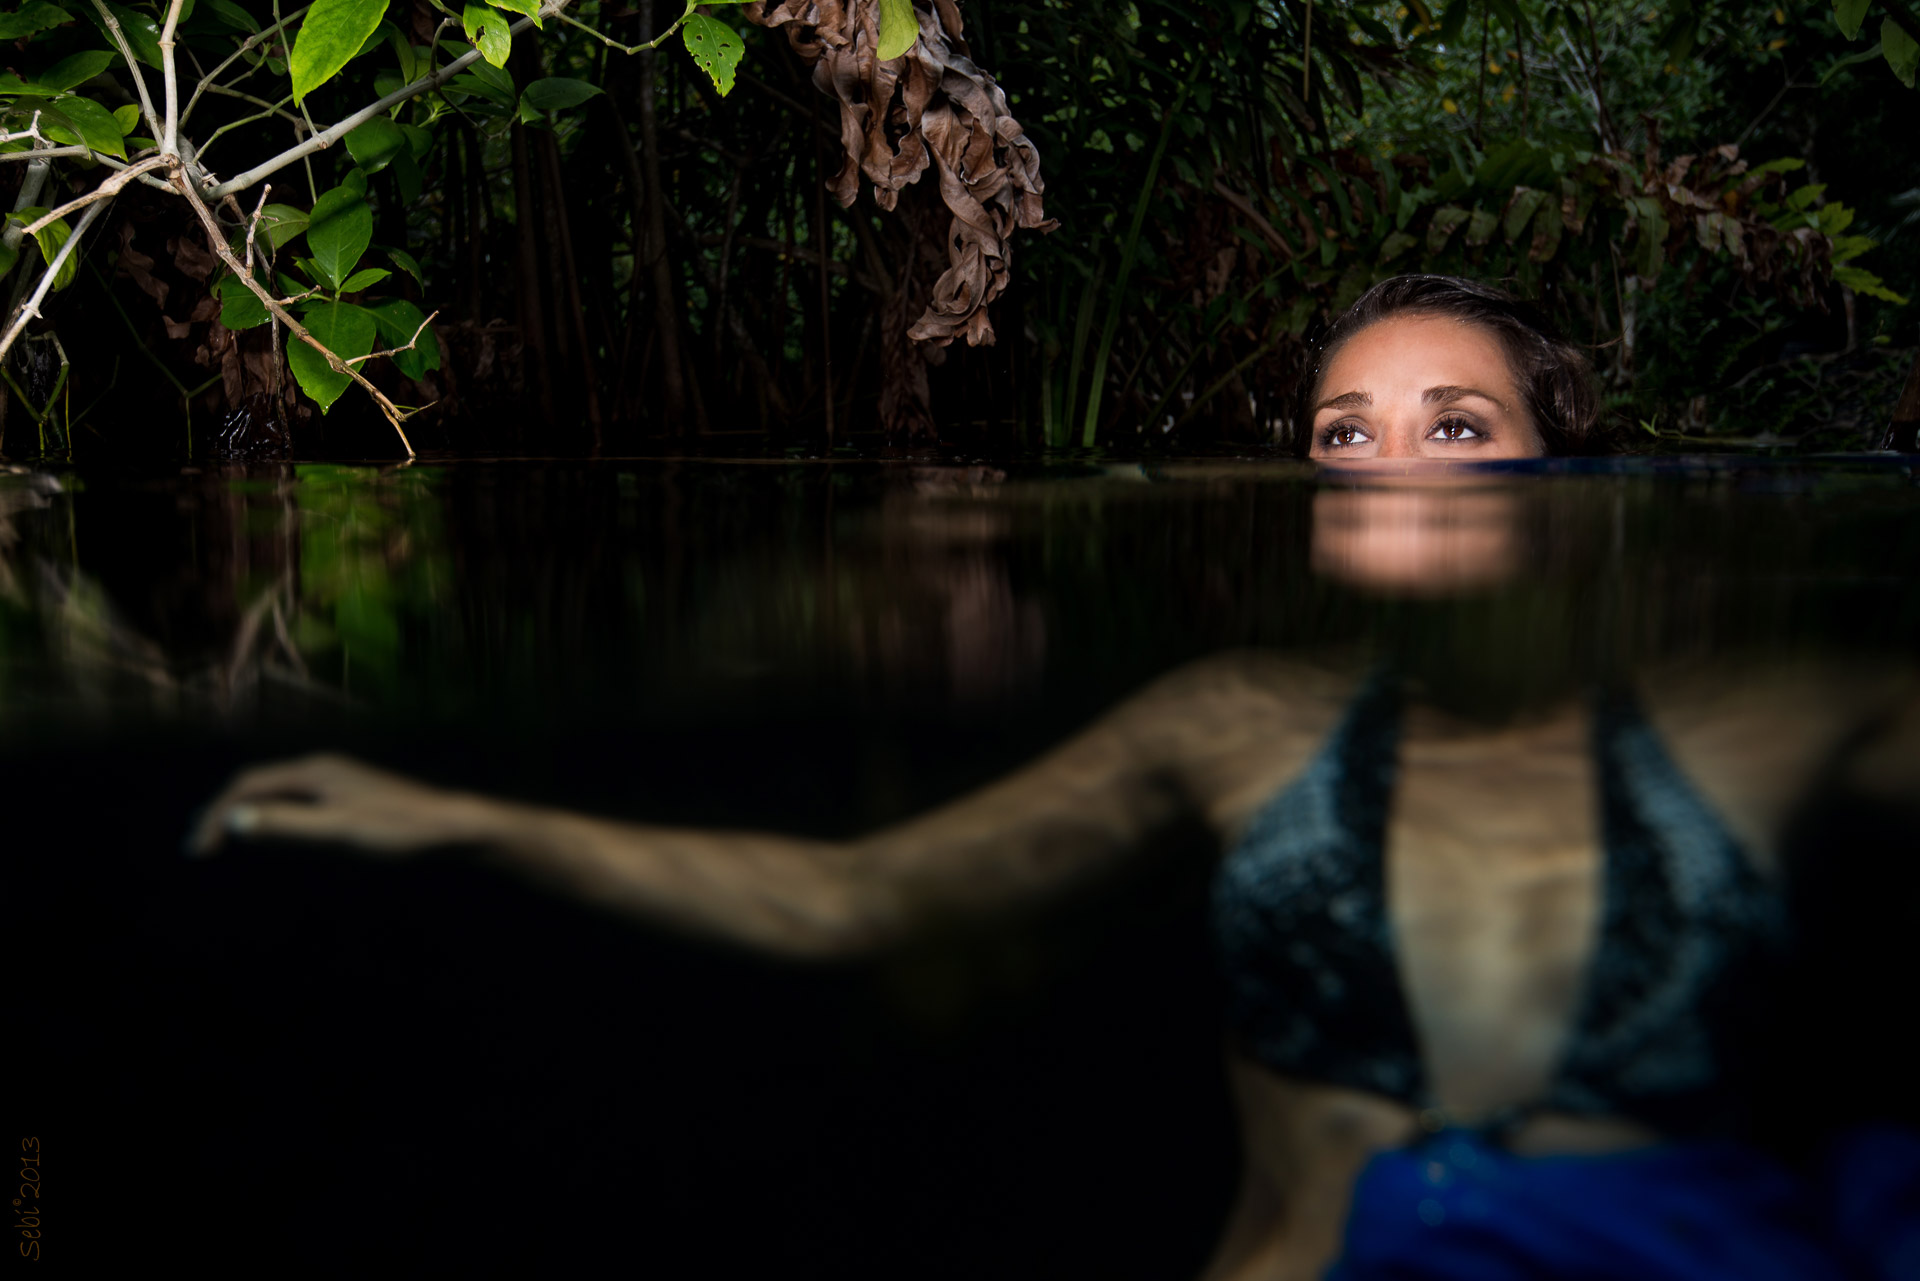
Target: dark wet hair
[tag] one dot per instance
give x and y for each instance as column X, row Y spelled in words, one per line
column 1555, row 381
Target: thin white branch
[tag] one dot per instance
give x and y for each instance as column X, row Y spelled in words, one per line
column 107, row 190
column 145, row 179
column 30, row 309
column 169, row 141
column 46, row 153
column 133, row 66
column 395, row 351
column 253, row 223
column 327, row 137
column 218, row 240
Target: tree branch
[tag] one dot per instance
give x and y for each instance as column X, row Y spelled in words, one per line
column 107, row 190
column 170, row 139
column 126, row 51
column 327, row 137
column 30, row 309
column 184, row 184
column 395, row 351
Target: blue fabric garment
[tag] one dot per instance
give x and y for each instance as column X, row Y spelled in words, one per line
column 1459, row 1208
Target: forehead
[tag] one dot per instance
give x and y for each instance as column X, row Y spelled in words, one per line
column 1418, row 352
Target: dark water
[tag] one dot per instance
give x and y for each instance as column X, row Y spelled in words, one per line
column 296, row 1061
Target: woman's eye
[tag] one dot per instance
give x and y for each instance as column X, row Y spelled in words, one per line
column 1345, row 435
column 1454, row 429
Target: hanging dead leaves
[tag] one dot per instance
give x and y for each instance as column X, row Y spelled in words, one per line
column 932, row 108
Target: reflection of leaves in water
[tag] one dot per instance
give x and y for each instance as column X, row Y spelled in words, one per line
column 371, row 551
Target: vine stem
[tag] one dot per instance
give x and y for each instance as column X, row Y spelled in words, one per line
column 107, row 190
column 327, row 137
column 184, row 184
column 411, row 343
column 170, row 140
column 250, row 43
column 30, row 309
column 133, row 67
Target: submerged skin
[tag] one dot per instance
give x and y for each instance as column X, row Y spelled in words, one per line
column 1493, row 867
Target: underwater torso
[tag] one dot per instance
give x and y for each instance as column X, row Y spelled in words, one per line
column 1685, row 936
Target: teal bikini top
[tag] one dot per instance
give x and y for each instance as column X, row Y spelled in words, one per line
column 1688, row 934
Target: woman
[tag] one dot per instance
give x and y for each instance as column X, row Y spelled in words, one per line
column 1486, row 983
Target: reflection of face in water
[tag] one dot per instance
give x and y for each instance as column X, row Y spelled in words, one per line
column 1435, row 536
column 1418, row 387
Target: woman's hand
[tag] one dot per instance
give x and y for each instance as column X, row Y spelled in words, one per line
column 338, row 799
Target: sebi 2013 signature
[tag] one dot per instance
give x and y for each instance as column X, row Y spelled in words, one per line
column 26, row 1206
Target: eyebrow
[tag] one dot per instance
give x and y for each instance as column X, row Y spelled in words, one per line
column 1444, row 395
column 1346, row 400
column 1447, row 395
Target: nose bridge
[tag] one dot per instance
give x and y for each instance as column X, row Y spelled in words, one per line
column 1397, row 435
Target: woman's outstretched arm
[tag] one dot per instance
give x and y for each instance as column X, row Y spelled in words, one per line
column 1174, row 752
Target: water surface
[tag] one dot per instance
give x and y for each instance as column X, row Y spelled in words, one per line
column 439, row 1066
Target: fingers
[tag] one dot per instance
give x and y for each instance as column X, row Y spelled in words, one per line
column 238, row 809
column 295, row 821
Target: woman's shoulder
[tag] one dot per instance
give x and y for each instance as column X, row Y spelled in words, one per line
column 1757, row 735
column 1239, row 725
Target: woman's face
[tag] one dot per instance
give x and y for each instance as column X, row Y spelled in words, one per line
column 1421, row 387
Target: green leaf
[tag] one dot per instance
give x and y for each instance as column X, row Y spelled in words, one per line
column 77, row 69
column 338, row 231
column 344, row 329
column 374, row 144
column 557, row 93
column 898, row 29
column 487, row 29
column 1847, row 248
column 141, row 31
column 365, row 278
column 1481, row 226
column 8, row 256
column 1520, row 210
column 421, row 140
column 406, row 175
column 355, row 180
column 529, row 7
column 1848, row 15
column 240, row 307
column 1395, row 244
column 1445, row 222
column 399, row 321
column 1865, row 282
column 49, row 239
column 383, row 33
column 126, row 117
column 281, row 223
column 715, row 48
column 489, row 80
column 232, row 15
column 405, row 262
column 35, row 15
column 1903, row 52
column 96, row 125
column 333, row 32
column 14, row 86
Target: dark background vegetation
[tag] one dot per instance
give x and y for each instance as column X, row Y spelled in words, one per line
column 1281, row 192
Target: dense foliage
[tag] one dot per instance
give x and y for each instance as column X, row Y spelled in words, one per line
column 521, row 217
